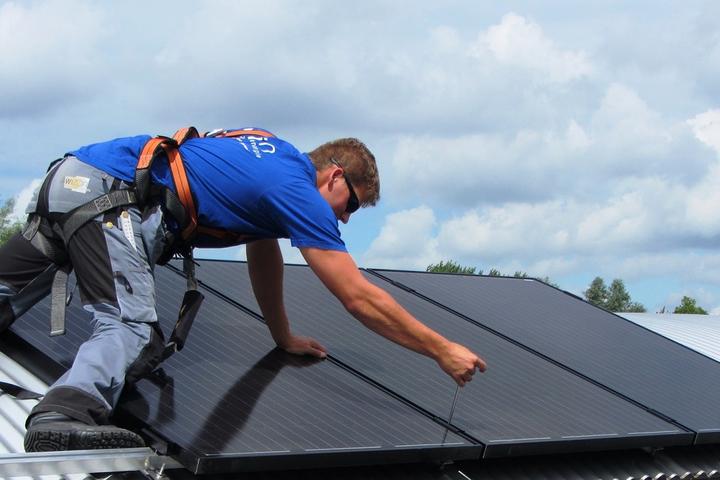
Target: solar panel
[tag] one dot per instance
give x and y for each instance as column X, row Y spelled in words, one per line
column 230, row 401
column 654, row 371
column 523, row 404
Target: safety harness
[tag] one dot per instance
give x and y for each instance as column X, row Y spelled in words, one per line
column 181, row 206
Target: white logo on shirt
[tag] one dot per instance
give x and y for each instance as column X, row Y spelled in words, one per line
column 258, row 145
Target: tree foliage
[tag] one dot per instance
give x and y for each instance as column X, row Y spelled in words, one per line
column 689, row 305
column 618, row 296
column 597, row 292
column 615, row 298
column 8, row 227
column 547, row 280
column 449, row 267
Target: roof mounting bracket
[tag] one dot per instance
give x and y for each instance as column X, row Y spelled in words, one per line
column 85, row 461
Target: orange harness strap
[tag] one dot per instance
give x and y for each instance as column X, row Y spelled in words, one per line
column 170, row 146
column 180, row 177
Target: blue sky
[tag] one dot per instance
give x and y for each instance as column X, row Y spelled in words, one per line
column 567, row 139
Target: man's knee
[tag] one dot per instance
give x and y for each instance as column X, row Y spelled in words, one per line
column 149, row 358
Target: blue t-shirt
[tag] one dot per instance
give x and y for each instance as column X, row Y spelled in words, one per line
column 262, row 187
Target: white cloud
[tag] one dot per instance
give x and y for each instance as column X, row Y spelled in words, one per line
column 706, row 127
column 290, row 254
column 643, row 228
column 405, row 240
column 519, row 42
column 702, row 205
column 446, row 39
column 622, row 141
column 627, row 126
column 498, row 232
column 51, row 54
column 23, row 199
column 240, row 253
column 686, row 266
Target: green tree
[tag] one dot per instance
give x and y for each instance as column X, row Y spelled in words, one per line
column 547, row 280
column 449, row 267
column 597, row 292
column 689, row 305
column 8, row 227
column 618, row 297
column 635, row 307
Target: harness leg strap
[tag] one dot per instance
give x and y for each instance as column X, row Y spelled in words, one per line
column 188, row 310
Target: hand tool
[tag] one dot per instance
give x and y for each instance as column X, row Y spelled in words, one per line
column 452, row 411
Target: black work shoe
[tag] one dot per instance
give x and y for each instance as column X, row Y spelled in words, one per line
column 49, row 432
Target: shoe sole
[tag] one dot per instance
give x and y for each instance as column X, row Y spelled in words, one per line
column 92, row 438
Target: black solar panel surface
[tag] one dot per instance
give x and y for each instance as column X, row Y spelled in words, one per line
column 522, row 404
column 233, row 402
column 644, row 366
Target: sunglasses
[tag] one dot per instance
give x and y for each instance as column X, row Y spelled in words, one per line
column 353, row 203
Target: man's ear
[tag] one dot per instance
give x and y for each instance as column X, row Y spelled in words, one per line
column 335, row 175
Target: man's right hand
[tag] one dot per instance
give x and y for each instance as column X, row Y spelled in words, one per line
column 460, row 363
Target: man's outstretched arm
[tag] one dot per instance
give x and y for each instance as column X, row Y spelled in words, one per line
column 378, row 311
column 265, row 267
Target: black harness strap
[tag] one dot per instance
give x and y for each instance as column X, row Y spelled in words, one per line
column 64, row 229
column 76, row 218
column 19, row 392
column 188, row 310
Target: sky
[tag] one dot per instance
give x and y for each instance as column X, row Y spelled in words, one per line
column 560, row 138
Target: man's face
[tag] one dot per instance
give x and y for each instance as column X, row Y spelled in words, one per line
column 341, row 195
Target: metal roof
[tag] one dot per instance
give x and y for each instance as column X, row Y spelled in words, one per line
column 698, row 332
column 13, row 413
column 15, row 463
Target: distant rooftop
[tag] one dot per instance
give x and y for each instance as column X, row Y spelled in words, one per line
column 698, row 332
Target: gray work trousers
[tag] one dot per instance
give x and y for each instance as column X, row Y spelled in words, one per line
column 113, row 257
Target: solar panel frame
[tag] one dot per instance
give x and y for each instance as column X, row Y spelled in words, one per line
column 301, row 306
column 406, row 434
column 624, row 371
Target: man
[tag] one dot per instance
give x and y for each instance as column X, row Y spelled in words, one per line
column 246, row 186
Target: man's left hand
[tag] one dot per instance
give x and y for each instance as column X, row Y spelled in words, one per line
column 304, row 346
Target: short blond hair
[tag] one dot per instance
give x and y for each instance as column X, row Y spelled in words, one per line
column 357, row 161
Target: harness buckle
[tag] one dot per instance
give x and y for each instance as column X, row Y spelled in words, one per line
column 103, row 203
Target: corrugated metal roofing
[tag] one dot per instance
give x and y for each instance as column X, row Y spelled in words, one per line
column 698, row 332
column 13, row 412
